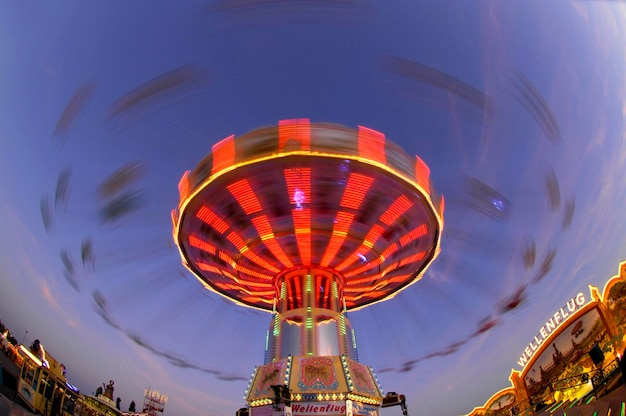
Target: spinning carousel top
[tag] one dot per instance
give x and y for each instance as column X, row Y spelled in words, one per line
column 345, row 207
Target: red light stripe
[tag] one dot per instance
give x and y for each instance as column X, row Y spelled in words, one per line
column 225, row 257
column 297, row 130
column 422, row 174
column 252, row 273
column 259, row 261
column 389, row 251
column 237, row 241
column 372, row 144
column 278, row 252
column 210, row 218
column 370, row 265
column 348, row 261
column 201, row 244
column 413, row 235
column 399, row 207
column 373, row 235
column 183, row 185
column 302, row 225
column 300, row 180
column 399, row 278
column 256, row 300
column 263, row 227
column 356, row 189
column 340, row 231
column 412, row 259
column 335, row 243
column 208, row 268
column 245, row 196
column 223, row 154
column 259, row 284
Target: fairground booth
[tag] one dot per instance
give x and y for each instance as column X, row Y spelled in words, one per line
column 573, row 359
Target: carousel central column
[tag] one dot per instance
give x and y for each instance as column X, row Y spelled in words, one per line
column 308, row 319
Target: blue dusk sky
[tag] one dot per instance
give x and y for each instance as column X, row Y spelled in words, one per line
column 517, row 107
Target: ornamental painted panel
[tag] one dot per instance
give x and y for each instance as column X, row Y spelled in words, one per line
column 317, row 373
column 362, row 380
column 267, row 375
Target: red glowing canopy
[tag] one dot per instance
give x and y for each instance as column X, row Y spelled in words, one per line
column 308, row 195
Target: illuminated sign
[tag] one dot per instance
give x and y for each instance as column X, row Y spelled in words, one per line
column 318, row 408
column 550, row 326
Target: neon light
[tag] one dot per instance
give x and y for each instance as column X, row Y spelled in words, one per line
column 237, row 241
column 223, row 154
column 414, row 234
column 278, row 252
column 253, row 273
column 340, row 231
column 183, row 185
column 201, row 244
column 210, row 218
column 208, row 268
column 373, row 235
column 422, row 174
column 374, row 263
column 294, row 131
column 399, row 207
column 356, row 189
column 390, row 250
column 554, row 322
column 372, row 144
column 412, row 259
column 302, row 225
column 263, row 227
column 243, row 193
column 259, row 261
column 298, row 185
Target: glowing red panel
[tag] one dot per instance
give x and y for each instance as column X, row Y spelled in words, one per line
column 278, row 252
column 183, row 185
column 243, row 193
column 372, row 144
column 208, row 268
column 252, row 273
column 298, row 185
column 340, row 231
column 422, row 174
column 223, row 154
column 258, row 260
column 399, row 207
column 297, row 130
column 413, row 235
column 263, row 227
column 373, row 235
column 225, row 257
column 369, row 266
column 302, row 225
column 237, row 241
column 390, row 250
column 348, row 262
column 210, row 218
column 412, row 259
column 201, row 244
column 356, row 189
column 259, row 284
